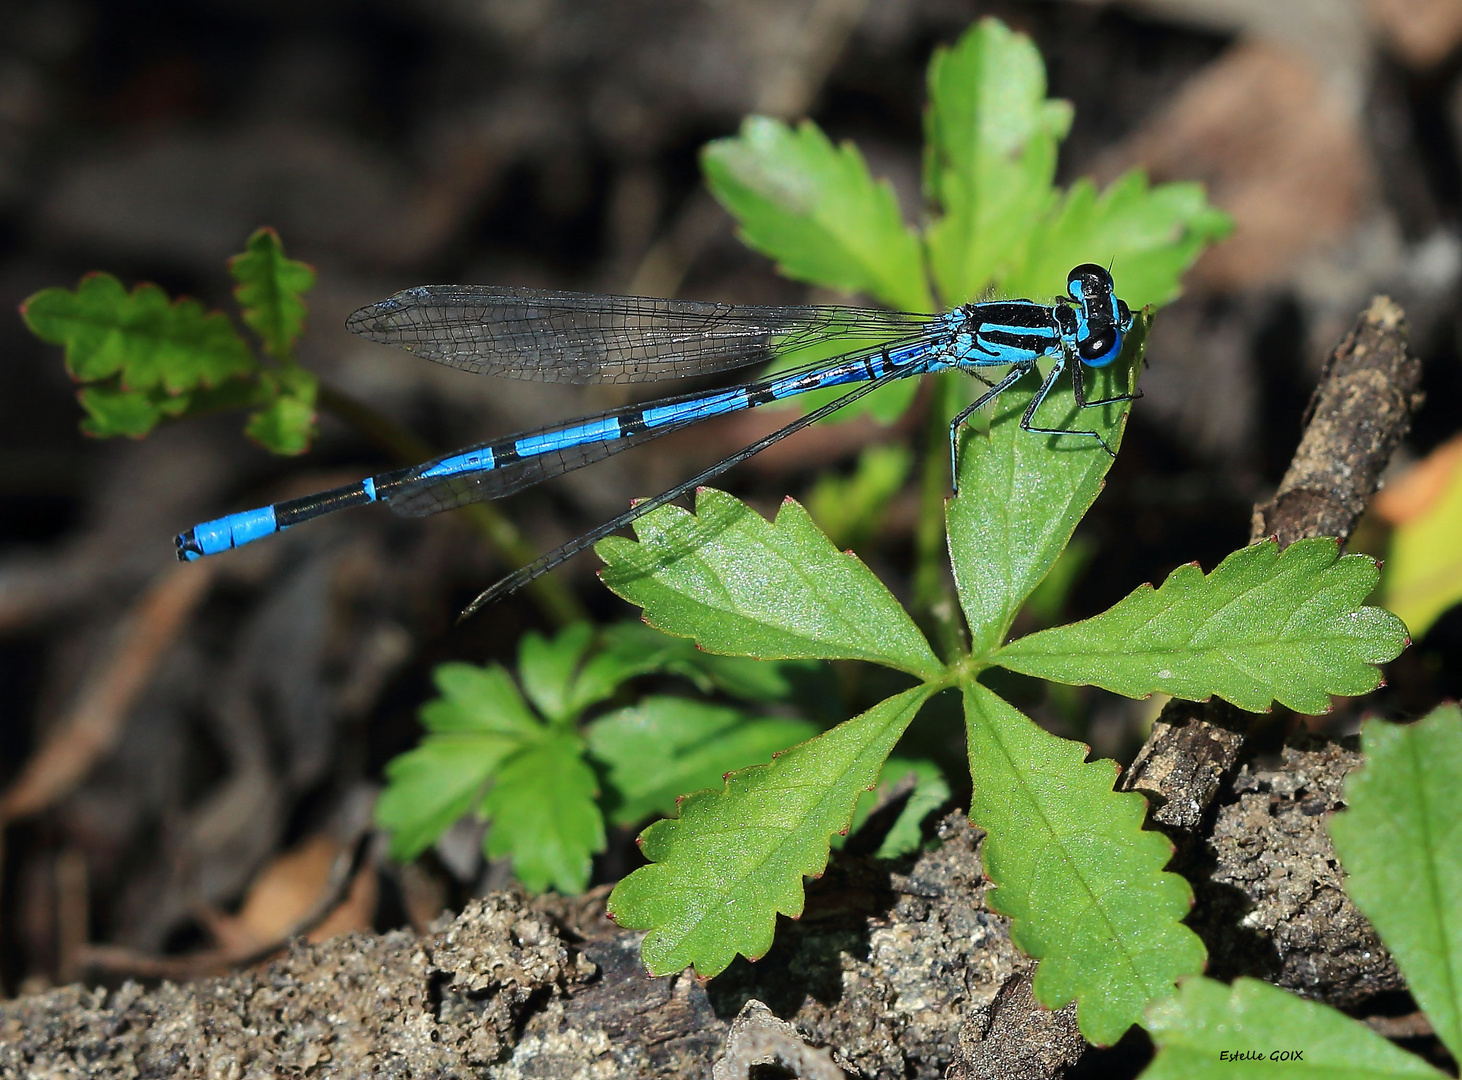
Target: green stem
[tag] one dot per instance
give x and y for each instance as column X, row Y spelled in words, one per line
column 934, row 599
column 556, row 601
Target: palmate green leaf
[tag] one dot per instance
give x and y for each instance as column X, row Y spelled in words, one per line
column 989, row 157
column 1148, row 236
column 542, row 813
column 815, row 209
column 1021, row 494
column 1206, row 1020
column 1400, row 842
column 1265, row 626
column 269, row 291
column 478, row 722
column 665, row 747
column 141, row 337
column 734, row 859
column 1082, row 882
column 742, row 585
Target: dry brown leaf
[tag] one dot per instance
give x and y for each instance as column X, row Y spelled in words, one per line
column 1278, row 149
column 286, row 891
column 1418, row 488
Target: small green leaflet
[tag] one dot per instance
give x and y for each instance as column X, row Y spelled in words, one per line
column 269, row 292
column 144, row 358
column 990, row 139
column 815, row 209
column 1207, row 1020
column 1400, row 842
column 1265, row 626
column 663, row 747
column 547, row 669
column 735, row 859
column 1081, row 880
column 112, row 411
column 140, row 354
column 741, row 585
column 486, row 750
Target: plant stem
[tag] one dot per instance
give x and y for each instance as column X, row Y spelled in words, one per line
column 555, row 601
column 934, row 599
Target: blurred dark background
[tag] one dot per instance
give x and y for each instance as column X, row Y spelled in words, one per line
column 185, row 754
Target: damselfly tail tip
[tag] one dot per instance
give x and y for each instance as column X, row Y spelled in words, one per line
column 188, row 548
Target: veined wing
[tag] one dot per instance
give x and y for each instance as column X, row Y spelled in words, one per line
column 549, row 336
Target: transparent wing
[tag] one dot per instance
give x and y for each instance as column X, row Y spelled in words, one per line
column 569, row 337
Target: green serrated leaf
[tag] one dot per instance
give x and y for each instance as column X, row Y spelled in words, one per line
column 139, row 336
column 1265, row 626
column 543, row 814
column 269, row 292
column 739, row 584
column 990, row 155
column 286, row 425
column 1021, row 494
column 547, row 668
column 1147, row 236
column 1081, row 880
column 815, row 209
column 734, row 859
column 1200, row 1031
column 665, row 747
column 1401, row 844
column 477, row 723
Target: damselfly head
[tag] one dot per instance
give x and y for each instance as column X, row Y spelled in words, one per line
column 1103, row 319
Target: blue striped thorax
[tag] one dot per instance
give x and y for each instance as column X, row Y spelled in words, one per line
column 1089, row 326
